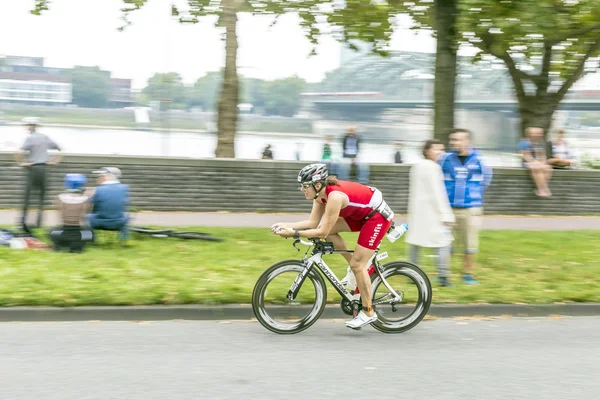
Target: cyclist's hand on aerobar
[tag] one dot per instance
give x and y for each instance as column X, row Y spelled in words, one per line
column 278, row 226
column 285, row 232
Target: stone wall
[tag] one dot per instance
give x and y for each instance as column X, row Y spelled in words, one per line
column 202, row 185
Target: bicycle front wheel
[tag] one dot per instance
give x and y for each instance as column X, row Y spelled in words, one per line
column 273, row 309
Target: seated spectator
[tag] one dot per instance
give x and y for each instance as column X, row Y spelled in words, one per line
column 398, row 155
column 533, row 154
column 559, row 155
column 267, row 153
column 110, row 201
column 72, row 206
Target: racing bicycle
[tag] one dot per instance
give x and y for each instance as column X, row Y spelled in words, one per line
column 291, row 295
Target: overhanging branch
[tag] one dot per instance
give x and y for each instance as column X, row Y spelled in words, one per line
column 578, row 71
column 516, row 74
column 575, row 33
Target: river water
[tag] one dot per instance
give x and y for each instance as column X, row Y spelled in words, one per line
column 202, row 145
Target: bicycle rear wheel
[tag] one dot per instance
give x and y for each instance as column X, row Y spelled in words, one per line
column 195, row 236
column 148, row 231
column 271, row 306
column 413, row 285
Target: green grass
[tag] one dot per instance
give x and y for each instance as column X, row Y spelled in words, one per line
column 513, row 267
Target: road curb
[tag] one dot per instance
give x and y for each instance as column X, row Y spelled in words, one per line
column 244, row 312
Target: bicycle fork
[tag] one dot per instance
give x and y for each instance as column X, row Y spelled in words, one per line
column 297, row 284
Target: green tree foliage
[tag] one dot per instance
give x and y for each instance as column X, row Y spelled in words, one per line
column 283, row 96
column 168, row 89
column 547, row 45
column 91, row 87
column 205, row 91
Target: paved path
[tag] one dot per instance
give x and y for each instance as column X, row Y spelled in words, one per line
column 10, row 217
column 524, row 358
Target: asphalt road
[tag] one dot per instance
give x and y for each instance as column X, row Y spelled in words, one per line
column 521, row 358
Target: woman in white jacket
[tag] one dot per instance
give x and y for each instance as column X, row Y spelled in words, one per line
column 429, row 214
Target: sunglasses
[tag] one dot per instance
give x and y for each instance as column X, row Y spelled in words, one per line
column 306, row 185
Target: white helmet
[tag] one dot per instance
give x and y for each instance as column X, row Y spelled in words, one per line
column 313, row 173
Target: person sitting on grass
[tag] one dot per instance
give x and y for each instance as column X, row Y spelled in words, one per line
column 109, row 200
column 72, row 206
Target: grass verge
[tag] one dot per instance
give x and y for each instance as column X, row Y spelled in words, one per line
column 513, row 267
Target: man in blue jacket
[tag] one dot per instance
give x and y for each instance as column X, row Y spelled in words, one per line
column 466, row 178
column 110, row 201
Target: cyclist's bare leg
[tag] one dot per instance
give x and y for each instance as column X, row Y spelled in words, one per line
column 338, row 241
column 357, row 263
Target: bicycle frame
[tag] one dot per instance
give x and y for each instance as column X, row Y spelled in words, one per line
column 317, row 259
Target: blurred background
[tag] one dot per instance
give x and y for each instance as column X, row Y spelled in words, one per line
column 98, row 90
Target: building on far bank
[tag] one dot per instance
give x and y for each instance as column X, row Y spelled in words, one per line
column 25, row 80
column 31, row 88
column 121, row 94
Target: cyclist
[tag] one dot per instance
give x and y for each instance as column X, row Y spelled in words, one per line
column 342, row 206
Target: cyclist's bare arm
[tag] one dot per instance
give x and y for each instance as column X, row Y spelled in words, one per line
column 312, row 222
column 335, row 202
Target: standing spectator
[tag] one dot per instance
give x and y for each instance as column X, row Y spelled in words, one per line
column 327, row 152
column 298, row 153
column 466, row 178
column 327, row 157
column 351, row 148
column 36, row 161
column 267, row 153
column 559, row 154
column 429, row 214
column 533, row 155
column 398, row 155
column 110, row 201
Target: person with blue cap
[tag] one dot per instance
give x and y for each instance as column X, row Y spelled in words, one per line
column 72, row 205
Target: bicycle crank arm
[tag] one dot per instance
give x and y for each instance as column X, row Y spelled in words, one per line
column 387, row 285
column 380, row 300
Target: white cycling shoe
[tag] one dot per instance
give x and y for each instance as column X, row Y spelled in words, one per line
column 361, row 320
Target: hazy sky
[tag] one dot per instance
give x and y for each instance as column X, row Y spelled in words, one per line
column 84, row 32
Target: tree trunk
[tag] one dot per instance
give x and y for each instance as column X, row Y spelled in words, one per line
column 445, row 69
column 228, row 98
column 537, row 111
